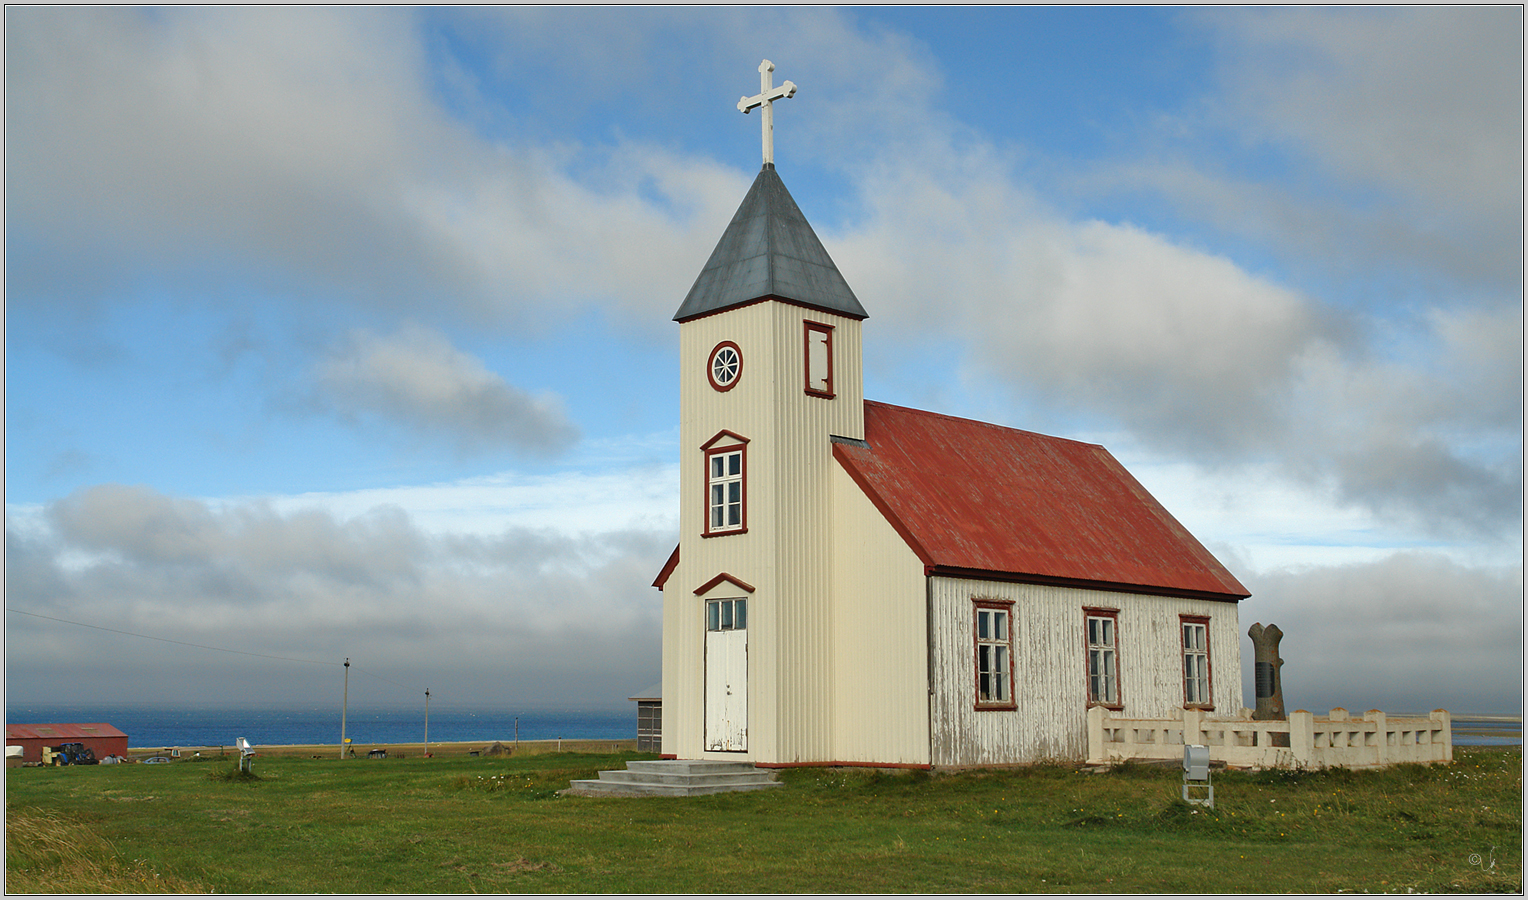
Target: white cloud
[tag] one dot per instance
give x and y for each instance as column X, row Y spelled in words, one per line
column 1182, row 345
column 1427, row 434
column 306, row 148
column 586, row 499
column 1253, row 516
column 1410, row 99
column 170, row 128
column 418, row 380
column 1353, row 138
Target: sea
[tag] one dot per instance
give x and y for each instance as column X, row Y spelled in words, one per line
column 168, row 726
column 1493, row 732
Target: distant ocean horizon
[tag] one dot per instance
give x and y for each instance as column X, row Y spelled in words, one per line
column 171, row 726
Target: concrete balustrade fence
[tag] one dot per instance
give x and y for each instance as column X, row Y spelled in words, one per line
column 1301, row 741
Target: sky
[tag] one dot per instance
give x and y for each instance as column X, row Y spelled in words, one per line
column 346, row 332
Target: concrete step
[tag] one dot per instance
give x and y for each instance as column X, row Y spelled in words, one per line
column 676, row 778
column 686, row 766
column 594, row 787
column 630, row 777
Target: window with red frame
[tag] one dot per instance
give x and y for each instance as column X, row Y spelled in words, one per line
column 1196, row 661
column 819, row 359
column 993, row 629
column 726, row 484
column 1103, row 657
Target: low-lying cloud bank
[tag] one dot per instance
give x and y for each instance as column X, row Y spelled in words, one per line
column 1412, row 632
column 523, row 615
column 541, row 616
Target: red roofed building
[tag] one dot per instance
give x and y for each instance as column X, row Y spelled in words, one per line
column 860, row 583
column 103, row 739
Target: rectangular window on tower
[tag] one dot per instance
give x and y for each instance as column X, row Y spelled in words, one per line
column 1103, row 657
column 994, row 654
column 726, row 485
column 819, row 359
column 1196, row 661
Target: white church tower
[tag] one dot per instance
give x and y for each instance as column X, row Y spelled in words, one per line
column 770, row 375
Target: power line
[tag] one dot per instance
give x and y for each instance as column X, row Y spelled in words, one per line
column 150, row 637
column 380, row 678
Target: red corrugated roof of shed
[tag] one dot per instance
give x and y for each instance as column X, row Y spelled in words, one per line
column 61, row 732
column 982, row 498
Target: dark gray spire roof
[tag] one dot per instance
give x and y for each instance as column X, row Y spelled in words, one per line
column 769, row 250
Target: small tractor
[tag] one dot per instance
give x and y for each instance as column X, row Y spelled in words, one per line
column 75, row 754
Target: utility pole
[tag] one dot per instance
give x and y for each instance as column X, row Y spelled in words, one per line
column 345, row 707
column 426, row 721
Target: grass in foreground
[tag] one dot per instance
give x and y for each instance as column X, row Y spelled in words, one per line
column 464, row 825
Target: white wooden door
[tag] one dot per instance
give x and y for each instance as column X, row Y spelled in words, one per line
column 726, row 675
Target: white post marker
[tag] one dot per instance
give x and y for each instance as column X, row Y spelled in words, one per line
column 765, row 98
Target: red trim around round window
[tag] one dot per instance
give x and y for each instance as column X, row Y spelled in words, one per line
column 711, row 366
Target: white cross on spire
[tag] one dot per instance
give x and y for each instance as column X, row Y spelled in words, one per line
column 766, row 97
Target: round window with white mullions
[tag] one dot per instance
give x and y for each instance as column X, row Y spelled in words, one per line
column 725, row 366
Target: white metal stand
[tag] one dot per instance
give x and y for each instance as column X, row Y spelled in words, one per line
column 246, row 755
column 1196, row 775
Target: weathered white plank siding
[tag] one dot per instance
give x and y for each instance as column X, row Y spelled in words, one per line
column 1050, row 676
column 880, row 628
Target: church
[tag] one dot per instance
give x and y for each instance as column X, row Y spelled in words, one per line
column 858, row 583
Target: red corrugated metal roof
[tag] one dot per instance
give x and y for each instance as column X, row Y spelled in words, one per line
column 72, row 732
column 972, row 497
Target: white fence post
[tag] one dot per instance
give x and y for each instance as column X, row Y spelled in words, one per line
column 1302, row 737
column 1381, row 738
column 1441, row 718
column 1096, row 734
column 1193, row 727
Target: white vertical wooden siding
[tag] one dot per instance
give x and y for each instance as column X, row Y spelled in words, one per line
column 800, row 485
column 743, row 410
column 785, row 554
column 880, row 630
column 1050, row 684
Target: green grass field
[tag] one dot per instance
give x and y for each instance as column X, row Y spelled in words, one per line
column 460, row 825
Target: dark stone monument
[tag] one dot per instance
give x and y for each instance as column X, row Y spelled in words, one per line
column 1265, row 670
